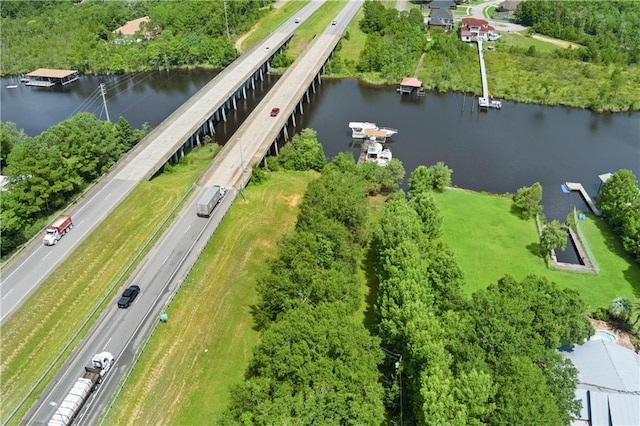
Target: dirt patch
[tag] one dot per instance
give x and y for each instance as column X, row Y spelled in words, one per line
column 622, row 338
column 241, row 39
column 556, row 42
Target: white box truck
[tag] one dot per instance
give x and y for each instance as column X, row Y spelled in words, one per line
column 209, row 200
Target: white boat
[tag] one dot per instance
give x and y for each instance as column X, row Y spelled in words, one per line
column 384, row 157
column 358, row 129
column 373, row 151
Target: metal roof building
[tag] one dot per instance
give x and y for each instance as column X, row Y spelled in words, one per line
column 608, row 383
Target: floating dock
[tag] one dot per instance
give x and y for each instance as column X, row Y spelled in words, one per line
column 572, row 186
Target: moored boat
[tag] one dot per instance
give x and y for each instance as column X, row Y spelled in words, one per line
column 359, row 128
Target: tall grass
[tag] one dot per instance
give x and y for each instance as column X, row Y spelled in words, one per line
column 38, row 331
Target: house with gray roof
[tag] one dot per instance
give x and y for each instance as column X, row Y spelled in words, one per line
column 608, row 383
column 442, row 4
column 441, row 18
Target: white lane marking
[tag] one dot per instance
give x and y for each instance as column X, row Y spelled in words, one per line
column 107, row 344
column 7, row 293
column 185, row 231
column 165, row 259
column 46, row 255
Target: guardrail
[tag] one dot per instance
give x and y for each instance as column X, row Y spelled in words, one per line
column 157, row 322
column 97, row 306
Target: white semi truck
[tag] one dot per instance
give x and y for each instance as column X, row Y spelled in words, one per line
column 83, row 387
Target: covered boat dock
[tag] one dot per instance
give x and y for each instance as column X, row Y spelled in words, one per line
column 46, row 77
column 411, row 86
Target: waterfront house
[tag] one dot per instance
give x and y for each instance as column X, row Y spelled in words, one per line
column 474, row 29
column 441, row 18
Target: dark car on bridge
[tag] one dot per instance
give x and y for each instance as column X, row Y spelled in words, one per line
column 275, row 111
column 128, row 296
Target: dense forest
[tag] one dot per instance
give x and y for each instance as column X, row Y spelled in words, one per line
column 45, row 172
column 425, row 354
column 71, row 35
column 608, row 30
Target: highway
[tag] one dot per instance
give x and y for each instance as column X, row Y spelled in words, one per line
column 23, row 276
column 121, row 331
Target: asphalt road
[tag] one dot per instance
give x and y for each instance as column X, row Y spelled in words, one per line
column 24, row 275
column 20, row 279
column 121, row 331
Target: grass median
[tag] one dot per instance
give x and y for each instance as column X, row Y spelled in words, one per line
column 193, row 359
column 490, row 242
column 39, row 330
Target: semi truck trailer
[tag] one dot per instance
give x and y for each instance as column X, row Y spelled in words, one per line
column 57, row 229
column 209, row 200
column 82, row 388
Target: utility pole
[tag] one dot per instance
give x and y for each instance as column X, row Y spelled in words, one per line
column 226, row 20
column 104, row 101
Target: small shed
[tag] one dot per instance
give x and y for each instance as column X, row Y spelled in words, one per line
column 411, row 86
column 47, row 77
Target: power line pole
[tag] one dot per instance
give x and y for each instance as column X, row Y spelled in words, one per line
column 104, row 101
column 226, row 20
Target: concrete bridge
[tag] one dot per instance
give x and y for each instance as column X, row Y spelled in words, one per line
column 186, row 128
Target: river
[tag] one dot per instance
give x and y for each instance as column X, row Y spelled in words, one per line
column 494, row 151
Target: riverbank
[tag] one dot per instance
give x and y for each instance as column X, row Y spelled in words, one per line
column 520, row 69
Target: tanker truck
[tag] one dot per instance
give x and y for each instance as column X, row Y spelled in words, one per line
column 57, row 229
column 83, row 387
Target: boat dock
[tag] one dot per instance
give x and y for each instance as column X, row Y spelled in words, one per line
column 486, row 101
column 572, row 186
column 45, row 77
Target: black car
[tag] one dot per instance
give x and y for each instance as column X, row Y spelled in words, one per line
column 128, row 296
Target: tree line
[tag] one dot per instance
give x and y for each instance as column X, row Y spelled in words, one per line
column 619, row 200
column 425, row 353
column 607, row 30
column 394, row 41
column 71, row 35
column 46, row 171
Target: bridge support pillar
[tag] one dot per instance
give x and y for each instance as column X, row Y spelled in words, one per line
column 262, row 74
column 244, row 92
column 197, row 139
column 275, row 146
column 235, row 105
column 182, row 151
column 224, row 116
column 307, row 94
column 253, row 83
column 212, row 129
column 301, row 109
column 313, row 85
column 293, row 119
column 286, row 133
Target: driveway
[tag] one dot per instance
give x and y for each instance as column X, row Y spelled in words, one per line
column 476, row 11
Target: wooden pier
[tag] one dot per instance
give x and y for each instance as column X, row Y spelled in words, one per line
column 572, row 186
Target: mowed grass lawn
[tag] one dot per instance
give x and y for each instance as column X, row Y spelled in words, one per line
column 39, row 330
column 489, row 242
column 186, row 371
